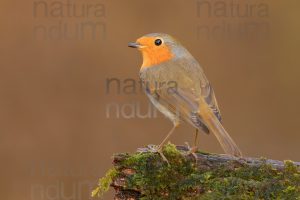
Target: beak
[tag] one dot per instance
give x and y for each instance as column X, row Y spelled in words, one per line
column 134, row 45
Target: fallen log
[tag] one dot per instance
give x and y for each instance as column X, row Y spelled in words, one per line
column 146, row 175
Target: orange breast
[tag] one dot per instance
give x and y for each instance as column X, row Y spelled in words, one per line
column 152, row 54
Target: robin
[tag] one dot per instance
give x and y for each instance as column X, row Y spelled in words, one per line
column 192, row 100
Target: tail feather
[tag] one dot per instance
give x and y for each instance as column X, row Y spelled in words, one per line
column 215, row 126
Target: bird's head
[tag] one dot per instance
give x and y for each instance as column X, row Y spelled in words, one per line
column 156, row 48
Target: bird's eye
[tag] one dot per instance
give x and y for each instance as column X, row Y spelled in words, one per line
column 158, row 42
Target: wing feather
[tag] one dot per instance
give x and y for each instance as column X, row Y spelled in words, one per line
column 181, row 102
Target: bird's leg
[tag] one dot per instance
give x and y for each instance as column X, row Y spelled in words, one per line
column 167, row 137
column 160, row 147
column 192, row 150
column 196, row 138
column 195, row 147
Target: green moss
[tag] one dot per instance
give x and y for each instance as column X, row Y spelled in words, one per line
column 156, row 177
column 104, row 183
column 182, row 179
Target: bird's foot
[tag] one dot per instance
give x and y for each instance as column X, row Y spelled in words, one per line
column 192, row 150
column 158, row 149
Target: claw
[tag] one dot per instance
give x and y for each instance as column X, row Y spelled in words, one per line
column 157, row 149
column 192, row 150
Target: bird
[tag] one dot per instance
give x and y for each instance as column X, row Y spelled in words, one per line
column 193, row 99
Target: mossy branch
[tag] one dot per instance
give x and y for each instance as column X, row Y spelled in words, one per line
column 145, row 175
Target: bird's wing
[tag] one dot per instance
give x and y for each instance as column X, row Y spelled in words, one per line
column 206, row 91
column 182, row 101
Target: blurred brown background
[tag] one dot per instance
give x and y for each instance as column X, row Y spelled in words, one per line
column 56, row 134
